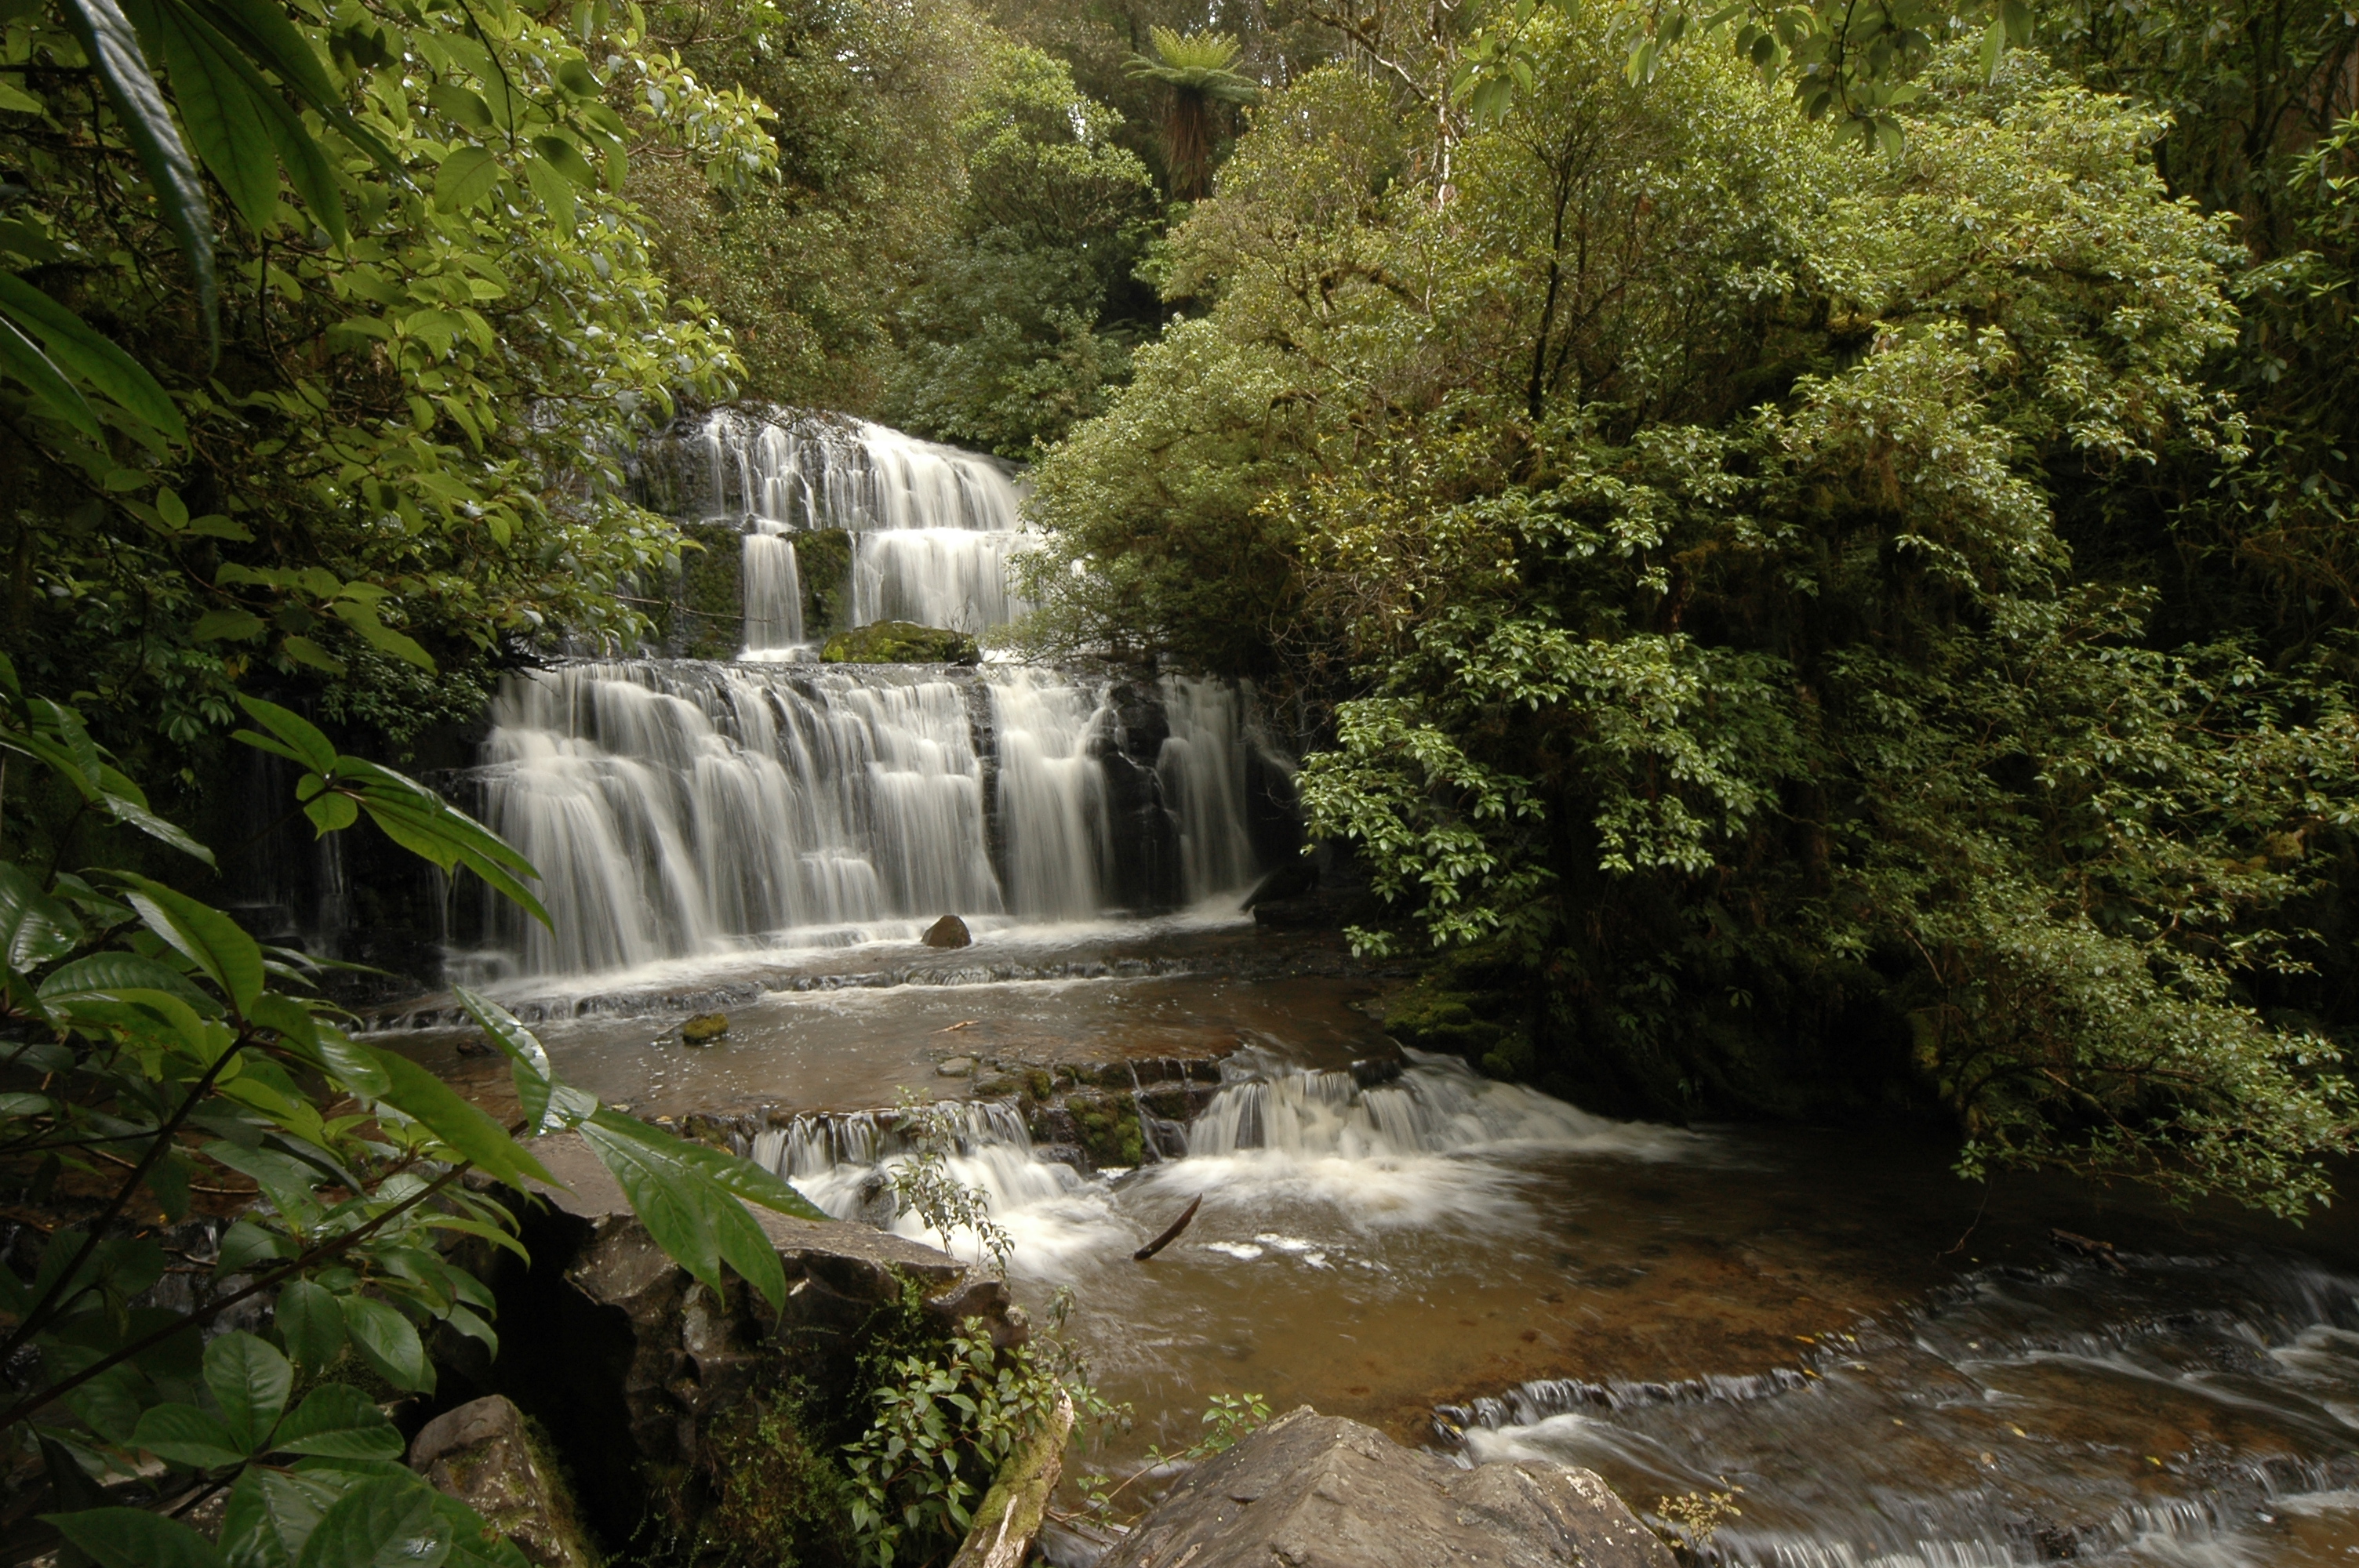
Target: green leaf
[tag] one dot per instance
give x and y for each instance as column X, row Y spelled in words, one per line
column 337, row 1420
column 565, row 159
column 107, row 37
column 697, row 1222
column 744, row 1179
column 75, row 347
column 466, row 177
column 363, row 619
column 134, row 1537
column 476, row 1137
column 227, row 626
column 332, row 812
column 302, row 737
column 536, row 1080
column 250, row 1380
column 34, row 929
column 22, row 358
column 271, row 1514
column 305, row 652
column 224, row 119
column 388, row 1522
column 459, row 105
column 387, row 1342
column 112, row 974
column 209, row 939
column 311, row 1325
column 187, row 1435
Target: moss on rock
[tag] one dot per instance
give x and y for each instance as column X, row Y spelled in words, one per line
column 823, row 562
column 709, row 622
column 900, row 643
column 1107, row 1128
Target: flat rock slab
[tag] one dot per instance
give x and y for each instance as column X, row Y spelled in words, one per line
column 1314, row 1491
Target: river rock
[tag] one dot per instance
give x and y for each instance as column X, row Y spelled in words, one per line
column 626, row 1360
column 482, row 1454
column 955, row 1067
column 949, row 931
column 1315, row 1491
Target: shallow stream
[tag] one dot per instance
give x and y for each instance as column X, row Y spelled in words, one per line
column 1895, row 1367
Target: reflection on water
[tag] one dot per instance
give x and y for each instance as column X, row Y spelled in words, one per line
column 1899, row 1369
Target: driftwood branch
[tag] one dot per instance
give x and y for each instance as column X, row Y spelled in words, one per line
column 1171, row 1236
column 1011, row 1511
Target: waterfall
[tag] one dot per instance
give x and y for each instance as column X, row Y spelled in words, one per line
column 1052, row 793
column 686, row 809
column 932, row 528
column 1202, row 772
column 773, row 592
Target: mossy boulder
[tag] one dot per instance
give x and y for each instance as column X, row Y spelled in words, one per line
column 708, row 620
column 704, row 1028
column 1106, row 1127
column 901, row 642
column 1469, row 1007
column 823, row 562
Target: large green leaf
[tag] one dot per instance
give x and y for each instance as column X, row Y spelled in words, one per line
column 387, row 1342
column 699, row 1223
column 187, row 1435
column 34, row 929
column 337, row 1420
column 250, row 1380
column 211, row 940
column 112, row 45
column 134, row 1537
column 22, row 358
column 388, row 1522
column 75, row 347
column 113, row 973
column 300, row 739
column 219, row 110
column 548, row 1104
column 271, row 1514
column 420, row 1095
column 310, row 1324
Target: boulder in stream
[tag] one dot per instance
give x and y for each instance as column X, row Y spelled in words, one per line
column 949, row 931
column 1316, row 1491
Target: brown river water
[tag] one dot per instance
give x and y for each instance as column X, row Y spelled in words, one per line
column 1896, row 1367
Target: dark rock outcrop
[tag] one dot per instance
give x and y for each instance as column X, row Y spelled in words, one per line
column 1315, row 1491
column 483, row 1454
column 949, row 931
column 627, row 1359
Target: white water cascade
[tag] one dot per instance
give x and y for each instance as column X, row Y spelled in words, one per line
column 932, row 528
column 680, row 809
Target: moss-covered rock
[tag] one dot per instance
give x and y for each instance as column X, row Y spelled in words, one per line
column 708, row 620
column 823, row 562
column 900, row 643
column 1470, row 1007
column 1106, row 1127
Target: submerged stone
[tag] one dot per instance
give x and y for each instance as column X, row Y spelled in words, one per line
column 956, row 1067
column 900, row 643
column 1322, row 1492
column 949, row 931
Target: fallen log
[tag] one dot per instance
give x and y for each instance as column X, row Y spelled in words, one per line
column 1011, row 1512
column 1171, row 1236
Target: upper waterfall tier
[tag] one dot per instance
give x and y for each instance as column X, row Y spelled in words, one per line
column 927, row 532
column 683, row 809
column 816, row 472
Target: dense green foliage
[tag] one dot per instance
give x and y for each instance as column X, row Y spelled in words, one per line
column 1742, row 569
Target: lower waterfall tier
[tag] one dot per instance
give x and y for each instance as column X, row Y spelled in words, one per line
column 676, row 809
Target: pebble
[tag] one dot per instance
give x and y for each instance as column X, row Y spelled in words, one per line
column 957, row 1067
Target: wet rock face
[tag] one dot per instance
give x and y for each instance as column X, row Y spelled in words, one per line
column 482, row 1454
column 629, row 1361
column 1318, row 1491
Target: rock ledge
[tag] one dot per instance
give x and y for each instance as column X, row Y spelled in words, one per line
column 1313, row 1491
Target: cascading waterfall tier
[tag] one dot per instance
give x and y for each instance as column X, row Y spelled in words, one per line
column 681, row 809
column 933, row 528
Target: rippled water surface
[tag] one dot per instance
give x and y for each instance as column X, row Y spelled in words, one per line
column 1896, row 1367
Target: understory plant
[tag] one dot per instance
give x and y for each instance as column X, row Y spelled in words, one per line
column 161, row 1066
